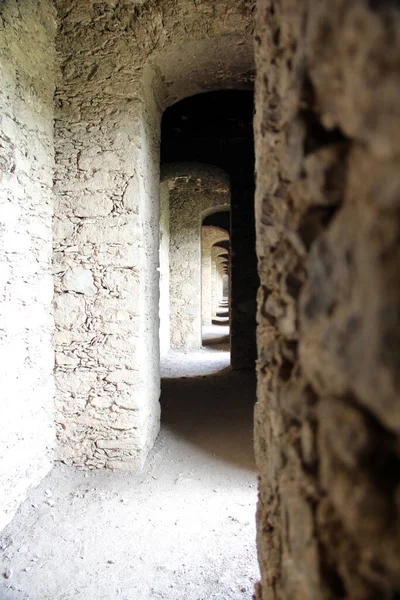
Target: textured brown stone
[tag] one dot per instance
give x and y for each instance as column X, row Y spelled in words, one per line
column 327, row 205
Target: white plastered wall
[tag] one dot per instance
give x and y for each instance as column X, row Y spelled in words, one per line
column 27, row 80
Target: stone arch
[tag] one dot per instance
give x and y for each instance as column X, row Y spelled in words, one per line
column 191, row 191
column 219, row 268
column 212, row 63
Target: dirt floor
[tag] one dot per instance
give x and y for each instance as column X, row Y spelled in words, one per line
column 184, row 529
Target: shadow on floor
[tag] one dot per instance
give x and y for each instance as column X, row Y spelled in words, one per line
column 217, row 343
column 213, row 412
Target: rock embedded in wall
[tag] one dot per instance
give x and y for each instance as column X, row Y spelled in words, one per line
column 326, row 211
column 79, row 280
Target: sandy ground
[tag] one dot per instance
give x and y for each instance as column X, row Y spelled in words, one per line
column 184, row 529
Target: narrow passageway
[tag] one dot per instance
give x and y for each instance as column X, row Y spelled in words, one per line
column 182, row 529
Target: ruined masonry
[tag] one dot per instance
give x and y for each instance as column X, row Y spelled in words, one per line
column 87, row 235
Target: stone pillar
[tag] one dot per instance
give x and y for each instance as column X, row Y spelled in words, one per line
column 106, row 281
column 164, row 310
column 244, row 279
column 206, row 286
column 185, row 282
column 225, row 285
column 221, row 262
column 216, row 293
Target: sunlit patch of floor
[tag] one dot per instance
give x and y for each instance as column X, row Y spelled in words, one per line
column 182, row 529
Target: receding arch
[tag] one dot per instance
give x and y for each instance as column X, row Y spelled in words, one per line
column 210, row 236
column 188, row 191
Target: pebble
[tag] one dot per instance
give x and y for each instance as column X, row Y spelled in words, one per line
column 7, row 573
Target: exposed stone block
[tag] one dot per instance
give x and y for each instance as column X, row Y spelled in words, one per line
column 79, row 280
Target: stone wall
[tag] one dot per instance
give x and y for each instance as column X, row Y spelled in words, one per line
column 164, row 310
column 225, row 283
column 106, row 309
column 327, row 210
column 27, row 79
column 194, row 191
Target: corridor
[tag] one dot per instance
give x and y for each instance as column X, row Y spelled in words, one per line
column 202, row 188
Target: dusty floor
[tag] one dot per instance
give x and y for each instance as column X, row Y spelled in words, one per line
column 181, row 530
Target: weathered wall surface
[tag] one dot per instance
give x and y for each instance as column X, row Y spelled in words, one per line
column 192, row 194
column 327, row 209
column 106, row 309
column 120, row 65
column 225, row 284
column 164, row 270
column 27, row 80
column 210, row 235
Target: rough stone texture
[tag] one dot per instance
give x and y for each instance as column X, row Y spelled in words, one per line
column 225, row 283
column 121, row 64
column 164, row 270
column 27, row 76
column 105, row 279
column 210, row 236
column 327, row 207
column 194, row 192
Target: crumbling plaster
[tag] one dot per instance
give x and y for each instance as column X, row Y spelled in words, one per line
column 27, row 80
